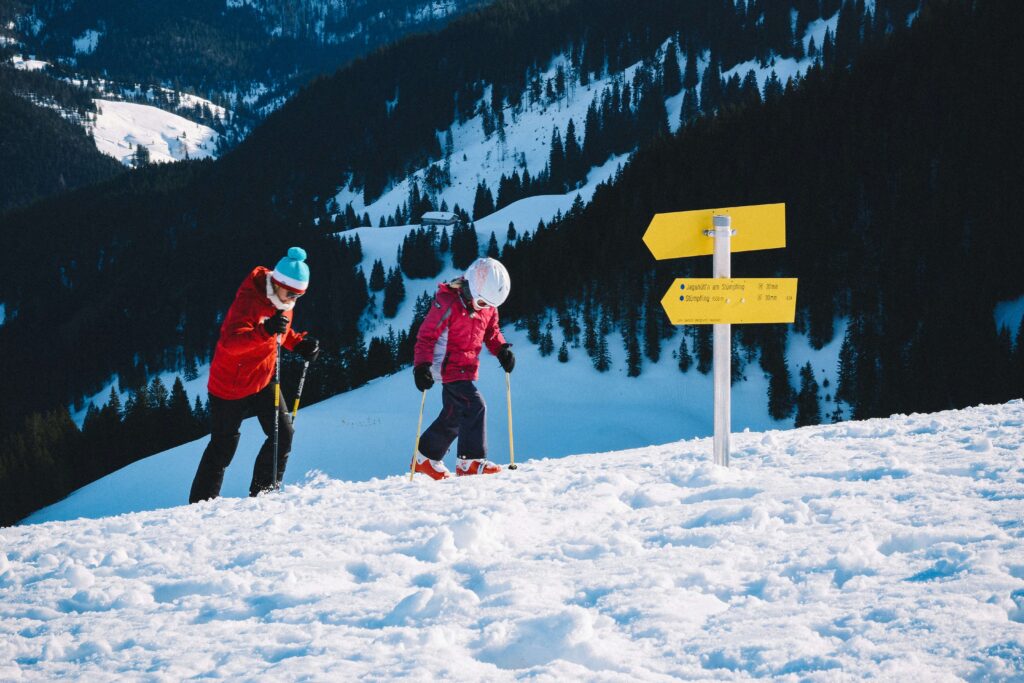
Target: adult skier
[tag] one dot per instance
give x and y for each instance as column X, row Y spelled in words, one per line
column 243, row 366
column 462, row 318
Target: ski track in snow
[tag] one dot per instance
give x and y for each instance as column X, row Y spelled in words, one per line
column 890, row 548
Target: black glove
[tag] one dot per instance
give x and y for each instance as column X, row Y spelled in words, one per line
column 424, row 379
column 507, row 358
column 276, row 324
column 308, row 348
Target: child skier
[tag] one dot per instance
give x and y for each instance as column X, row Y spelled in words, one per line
column 462, row 318
column 242, row 370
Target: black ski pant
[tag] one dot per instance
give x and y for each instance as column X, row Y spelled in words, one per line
column 463, row 415
column 225, row 418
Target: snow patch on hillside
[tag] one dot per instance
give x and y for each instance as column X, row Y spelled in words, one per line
column 121, row 126
column 29, row 64
column 890, row 549
column 86, row 43
column 526, row 140
column 1009, row 315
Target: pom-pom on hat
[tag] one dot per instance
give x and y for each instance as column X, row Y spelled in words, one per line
column 291, row 272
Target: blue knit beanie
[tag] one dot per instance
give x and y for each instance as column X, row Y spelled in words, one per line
column 291, row 272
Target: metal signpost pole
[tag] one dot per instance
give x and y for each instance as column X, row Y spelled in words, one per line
column 722, row 346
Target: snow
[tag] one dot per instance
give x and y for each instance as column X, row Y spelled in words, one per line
column 194, row 388
column 121, row 126
column 888, row 549
column 1009, row 314
column 817, row 29
column 28, row 64
column 477, row 157
column 86, row 43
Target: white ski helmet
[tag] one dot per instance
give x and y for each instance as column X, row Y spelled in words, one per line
column 489, row 281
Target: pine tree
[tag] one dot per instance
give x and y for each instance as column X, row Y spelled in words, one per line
column 652, row 331
column 191, row 369
column 690, row 77
column 589, row 333
column 158, row 395
column 511, row 234
column 602, row 360
column 808, row 412
column 465, row 247
column 846, row 383
column 547, row 342
column 483, row 201
column 780, row 396
column 671, row 77
column 711, row 88
column 705, row 348
column 394, row 293
column 492, row 247
column 377, row 278
column 556, row 163
column 574, row 171
column 179, row 420
column 563, row 353
column 772, row 87
column 684, row 357
column 201, row 416
column 633, row 357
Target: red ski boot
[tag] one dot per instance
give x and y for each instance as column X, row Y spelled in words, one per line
column 467, row 467
column 434, row 469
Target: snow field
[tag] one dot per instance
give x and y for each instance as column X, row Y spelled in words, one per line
column 887, row 548
column 121, row 126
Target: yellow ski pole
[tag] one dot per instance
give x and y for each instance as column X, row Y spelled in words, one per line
column 277, row 410
column 511, row 449
column 298, row 394
column 416, row 448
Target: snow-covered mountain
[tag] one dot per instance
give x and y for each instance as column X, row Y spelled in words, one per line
column 888, row 549
column 524, row 142
column 121, row 127
column 248, row 54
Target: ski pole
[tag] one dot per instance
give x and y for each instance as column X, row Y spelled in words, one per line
column 298, row 393
column 416, row 448
column 277, row 408
column 511, row 449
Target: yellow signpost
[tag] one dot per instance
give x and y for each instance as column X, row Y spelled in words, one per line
column 710, row 301
column 723, row 300
column 686, row 233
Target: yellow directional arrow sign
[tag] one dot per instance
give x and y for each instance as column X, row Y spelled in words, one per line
column 681, row 233
column 707, row 301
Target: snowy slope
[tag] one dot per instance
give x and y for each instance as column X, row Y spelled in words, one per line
column 888, row 549
column 121, row 126
column 526, row 141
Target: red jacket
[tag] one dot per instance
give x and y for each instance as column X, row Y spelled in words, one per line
column 243, row 362
column 453, row 333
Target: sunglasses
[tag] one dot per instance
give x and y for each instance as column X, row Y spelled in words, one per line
column 289, row 294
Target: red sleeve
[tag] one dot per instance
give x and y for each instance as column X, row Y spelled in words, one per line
column 241, row 327
column 492, row 335
column 430, row 330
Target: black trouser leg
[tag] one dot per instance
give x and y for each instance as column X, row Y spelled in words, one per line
column 462, row 415
column 472, row 422
column 263, row 470
column 225, row 419
column 442, row 431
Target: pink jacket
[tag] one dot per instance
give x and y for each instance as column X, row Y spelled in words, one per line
column 452, row 335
